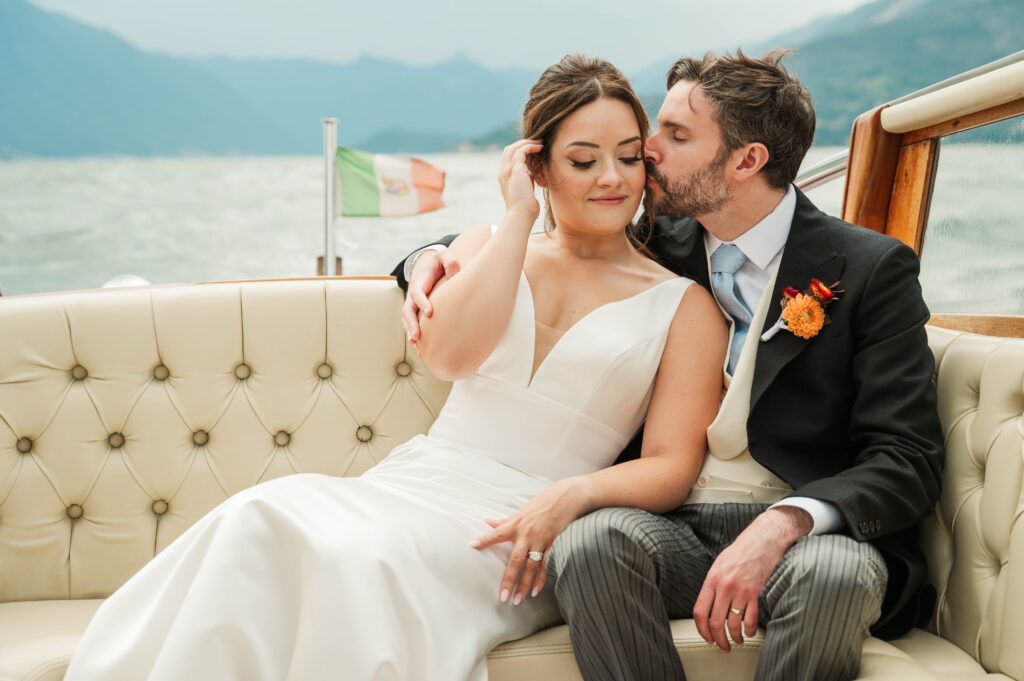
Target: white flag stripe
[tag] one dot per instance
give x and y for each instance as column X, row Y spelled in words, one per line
column 394, row 180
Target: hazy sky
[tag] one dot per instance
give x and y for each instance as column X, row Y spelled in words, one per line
column 528, row 33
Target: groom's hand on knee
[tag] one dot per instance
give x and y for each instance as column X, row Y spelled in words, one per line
column 728, row 598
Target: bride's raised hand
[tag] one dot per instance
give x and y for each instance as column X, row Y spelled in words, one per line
column 532, row 530
column 517, row 187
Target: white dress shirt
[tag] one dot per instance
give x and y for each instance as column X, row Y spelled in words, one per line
column 763, row 245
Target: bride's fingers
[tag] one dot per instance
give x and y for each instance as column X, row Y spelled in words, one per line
column 532, row 570
column 515, row 565
column 500, row 534
column 542, row 575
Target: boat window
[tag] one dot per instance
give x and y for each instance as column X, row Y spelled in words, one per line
column 971, row 258
column 828, row 197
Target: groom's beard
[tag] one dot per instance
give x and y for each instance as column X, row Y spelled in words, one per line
column 701, row 193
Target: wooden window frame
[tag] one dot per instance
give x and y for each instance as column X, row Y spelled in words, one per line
column 889, row 185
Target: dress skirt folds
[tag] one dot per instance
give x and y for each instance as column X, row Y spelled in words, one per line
column 311, row 577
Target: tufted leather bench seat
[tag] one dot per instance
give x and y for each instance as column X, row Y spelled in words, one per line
column 125, row 415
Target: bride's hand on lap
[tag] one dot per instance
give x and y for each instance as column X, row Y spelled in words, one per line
column 517, row 186
column 532, row 529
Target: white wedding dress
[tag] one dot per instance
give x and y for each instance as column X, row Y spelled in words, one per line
column 311, row 577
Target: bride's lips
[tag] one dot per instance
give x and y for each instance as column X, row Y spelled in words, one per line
column 609, row 199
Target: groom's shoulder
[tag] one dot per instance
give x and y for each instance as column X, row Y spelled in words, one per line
column 853, row 240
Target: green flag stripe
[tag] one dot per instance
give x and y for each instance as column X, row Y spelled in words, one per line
column 359, row 193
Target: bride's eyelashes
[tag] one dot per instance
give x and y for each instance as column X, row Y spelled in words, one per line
column 583, row 165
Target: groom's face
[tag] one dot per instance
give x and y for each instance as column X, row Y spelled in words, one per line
column 686, row 158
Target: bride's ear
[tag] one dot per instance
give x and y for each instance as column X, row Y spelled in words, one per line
column 539, row 177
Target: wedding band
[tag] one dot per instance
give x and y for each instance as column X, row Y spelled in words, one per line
column 736, row 611
column 535, row 555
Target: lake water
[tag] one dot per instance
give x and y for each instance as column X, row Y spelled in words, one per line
column 76, row 223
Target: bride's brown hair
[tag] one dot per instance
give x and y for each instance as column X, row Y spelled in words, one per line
column 563, row 88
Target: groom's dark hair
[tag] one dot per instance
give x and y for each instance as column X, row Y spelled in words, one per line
column 755, row 100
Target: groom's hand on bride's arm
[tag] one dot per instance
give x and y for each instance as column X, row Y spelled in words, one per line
column 741, row 571
column 430, row 267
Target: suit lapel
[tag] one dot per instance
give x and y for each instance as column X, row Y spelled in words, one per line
column 809, row 254
column 679, row 243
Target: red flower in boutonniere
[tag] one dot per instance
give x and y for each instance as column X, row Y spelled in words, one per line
column 803, row 312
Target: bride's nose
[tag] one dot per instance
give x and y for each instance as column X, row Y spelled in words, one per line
column 610, row 175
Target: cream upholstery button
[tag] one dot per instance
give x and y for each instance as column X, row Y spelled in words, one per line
column 24, row 445
column 78, row 372
column 324, row 370
column 403, row 369
column 74, row 511
column 364, row 434
column 159, row 507
column 764, row 483
column 160, row 372
column 200, row 437
column 242, row 372
column 282, row 438
column 701, row 481
column 115, row 440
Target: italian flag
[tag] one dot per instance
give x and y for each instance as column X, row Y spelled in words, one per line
column 377, row 185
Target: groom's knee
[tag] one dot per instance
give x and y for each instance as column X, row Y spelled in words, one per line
column 833, row 573
column 607, row 540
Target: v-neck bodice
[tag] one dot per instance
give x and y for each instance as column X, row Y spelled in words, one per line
column 587, row 397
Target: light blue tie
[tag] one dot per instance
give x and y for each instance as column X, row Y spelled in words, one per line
column 725, row 261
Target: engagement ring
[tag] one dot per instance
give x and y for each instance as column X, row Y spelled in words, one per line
column 736, row 611
column 535, row 555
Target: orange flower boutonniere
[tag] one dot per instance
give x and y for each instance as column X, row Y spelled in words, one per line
column 803, row 312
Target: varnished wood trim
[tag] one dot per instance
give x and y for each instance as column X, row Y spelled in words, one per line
column 969, row 122
column 1006, row 326
column 911, row 195
column 870, row 172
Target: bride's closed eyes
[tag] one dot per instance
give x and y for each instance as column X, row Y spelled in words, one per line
column 630, row 160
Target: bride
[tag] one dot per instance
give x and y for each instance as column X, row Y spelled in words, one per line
column 560, row 344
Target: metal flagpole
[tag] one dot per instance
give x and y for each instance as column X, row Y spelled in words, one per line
column 330, row 154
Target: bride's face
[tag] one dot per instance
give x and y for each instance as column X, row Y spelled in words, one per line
column 595, row 175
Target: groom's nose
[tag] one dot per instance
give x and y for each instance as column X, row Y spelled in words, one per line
column 652, row 149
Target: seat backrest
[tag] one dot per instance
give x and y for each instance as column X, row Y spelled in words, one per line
column 126, row 415
column 975, row 540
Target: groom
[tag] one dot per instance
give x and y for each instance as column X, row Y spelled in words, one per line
column 827, row 449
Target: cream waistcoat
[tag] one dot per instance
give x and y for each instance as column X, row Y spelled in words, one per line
column 729, row 473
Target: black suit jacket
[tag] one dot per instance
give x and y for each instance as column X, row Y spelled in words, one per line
column 849, row 416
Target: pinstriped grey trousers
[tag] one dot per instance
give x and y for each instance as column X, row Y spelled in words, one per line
column 620, row 574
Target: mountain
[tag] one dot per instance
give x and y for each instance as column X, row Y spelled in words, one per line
column 70, row 90
column 880, row 51
column 444, row 102
column 850, row 71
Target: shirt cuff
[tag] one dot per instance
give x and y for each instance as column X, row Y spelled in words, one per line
column 824, row 514
column 410, row 262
